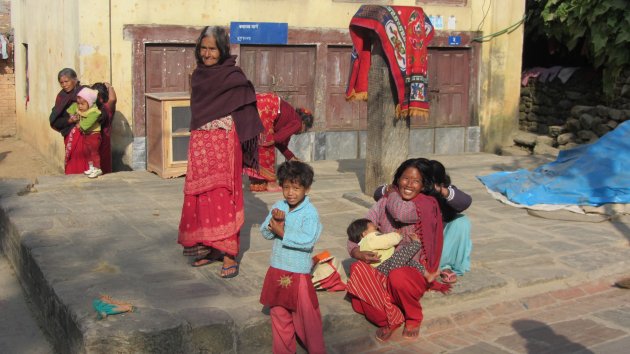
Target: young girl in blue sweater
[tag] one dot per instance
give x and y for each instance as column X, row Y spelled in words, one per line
column 293, row 225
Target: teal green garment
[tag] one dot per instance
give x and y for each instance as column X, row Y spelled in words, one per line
column 89, row 119
column 104, row 309
column 457, row 245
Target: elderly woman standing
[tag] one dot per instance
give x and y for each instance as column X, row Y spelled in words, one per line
column 76, row 160
column 224, row 126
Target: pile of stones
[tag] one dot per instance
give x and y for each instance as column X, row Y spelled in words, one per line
column 557, row 116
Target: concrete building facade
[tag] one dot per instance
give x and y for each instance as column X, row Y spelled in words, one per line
column 115, row 41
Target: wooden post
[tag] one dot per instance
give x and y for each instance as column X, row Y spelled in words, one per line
column 387, row 136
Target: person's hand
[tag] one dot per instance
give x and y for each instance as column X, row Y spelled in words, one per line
column 276, row 224
column 414, row 237
column 278, row 215
column 388, row 189
column 442, row 190
column 368, row 257
column 294, row 158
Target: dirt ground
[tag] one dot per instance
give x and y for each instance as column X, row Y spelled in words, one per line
column 20, row 160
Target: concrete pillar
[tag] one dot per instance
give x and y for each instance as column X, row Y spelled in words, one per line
column 387, row 136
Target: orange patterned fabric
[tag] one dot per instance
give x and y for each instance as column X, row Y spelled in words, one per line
column 213, row 213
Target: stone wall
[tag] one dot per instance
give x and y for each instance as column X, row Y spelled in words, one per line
column 7, row 76
column 556, row 116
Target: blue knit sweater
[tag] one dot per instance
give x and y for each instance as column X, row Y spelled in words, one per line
column 301, row 230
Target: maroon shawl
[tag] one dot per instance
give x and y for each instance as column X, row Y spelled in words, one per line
column 220, row 90
column 59, row 117
column 431, row 232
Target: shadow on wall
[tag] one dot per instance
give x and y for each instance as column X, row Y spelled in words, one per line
column 122, row 137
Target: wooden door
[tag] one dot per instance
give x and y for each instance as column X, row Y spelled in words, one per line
column 342, row 114
column 168, row 66
column 449, row 80
column 289, row 71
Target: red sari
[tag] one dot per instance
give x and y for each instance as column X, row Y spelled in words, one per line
column 280, row 122
column 268, row 105
column 76, row 156
column 213, row 213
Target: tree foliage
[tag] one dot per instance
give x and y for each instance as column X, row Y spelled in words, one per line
column 599, row 29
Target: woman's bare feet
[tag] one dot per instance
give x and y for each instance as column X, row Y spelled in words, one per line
column 384, row 333
column 411, row 332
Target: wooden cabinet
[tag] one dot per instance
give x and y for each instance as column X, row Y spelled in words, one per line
column 168, row 123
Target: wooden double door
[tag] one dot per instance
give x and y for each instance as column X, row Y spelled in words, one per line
column 291, row 72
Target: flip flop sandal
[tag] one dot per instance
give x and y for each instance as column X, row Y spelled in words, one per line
column 448, row 276
column 231, row 275
column 204, row 261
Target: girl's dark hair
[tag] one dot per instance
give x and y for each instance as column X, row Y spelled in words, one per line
column 439, row 173
column 306, row 116
column 222, row 38
column 356, row 228
column 103, row 94
column 426, row 171
column 70, row 73
column 295, row 171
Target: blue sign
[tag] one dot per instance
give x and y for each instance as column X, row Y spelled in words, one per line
column 259, row 33
column 454, row 40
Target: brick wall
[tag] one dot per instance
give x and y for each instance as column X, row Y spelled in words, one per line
column 7, row 77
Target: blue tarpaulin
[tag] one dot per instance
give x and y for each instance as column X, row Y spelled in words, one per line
column 593, row 174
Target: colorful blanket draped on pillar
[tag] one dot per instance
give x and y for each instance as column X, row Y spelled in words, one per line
column 404, row 33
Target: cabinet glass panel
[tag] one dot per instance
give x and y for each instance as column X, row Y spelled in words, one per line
column 180, row 119
column 180, row 148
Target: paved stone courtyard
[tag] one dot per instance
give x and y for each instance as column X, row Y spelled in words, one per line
column 70, row 239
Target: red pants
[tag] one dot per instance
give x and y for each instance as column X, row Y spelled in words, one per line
column 306, row 321
column 406, row 286
column 92, row 142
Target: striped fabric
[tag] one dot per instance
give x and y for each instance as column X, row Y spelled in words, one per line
column 369, row 285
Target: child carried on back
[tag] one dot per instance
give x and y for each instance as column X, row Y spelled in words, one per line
column 364, row 233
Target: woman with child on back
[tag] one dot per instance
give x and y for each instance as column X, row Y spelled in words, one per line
column 409, row 209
